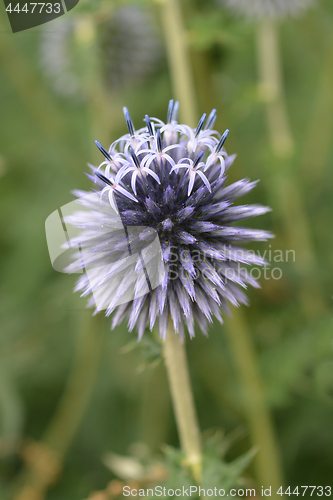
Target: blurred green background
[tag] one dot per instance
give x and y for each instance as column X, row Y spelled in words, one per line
column 65, row 378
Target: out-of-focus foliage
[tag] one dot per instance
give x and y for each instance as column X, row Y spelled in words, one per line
column 45, row 143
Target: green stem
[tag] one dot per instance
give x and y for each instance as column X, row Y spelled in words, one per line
column 174, row 350
column 267, row 462
column 319, row 134
column 175, row 357
column 155, row 408
column 179, row 61
column 182, row 399
column 284, row 183
column 271, row 90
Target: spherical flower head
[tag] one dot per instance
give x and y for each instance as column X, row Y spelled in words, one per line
column 268, row 8
column 158, row 229
column 132, row 49
column 127, row 42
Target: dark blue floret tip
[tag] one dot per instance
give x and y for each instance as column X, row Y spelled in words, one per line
column 129, row 122
column 210, row 120
column 159, row 141
column 198, row 158
column 103, row 178
column 170, row 111
column 103, row 151
column 149, row 125
column 222, row 141
column 134, row 157
column 200, row 125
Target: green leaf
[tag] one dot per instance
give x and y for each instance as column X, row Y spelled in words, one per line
column 222, row 475
column 217, row 473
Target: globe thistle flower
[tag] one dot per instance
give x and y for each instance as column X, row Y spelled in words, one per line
column 268, row 8
column 131, row 46
column 180, row 194
column 127, row 42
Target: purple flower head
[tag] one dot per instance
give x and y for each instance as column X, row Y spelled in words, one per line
column 166, row 182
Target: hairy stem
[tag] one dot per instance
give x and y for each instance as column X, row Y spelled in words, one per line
column 267, row 461
column 182, row 399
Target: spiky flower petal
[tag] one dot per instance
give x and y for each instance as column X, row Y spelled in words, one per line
column 157, row 232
